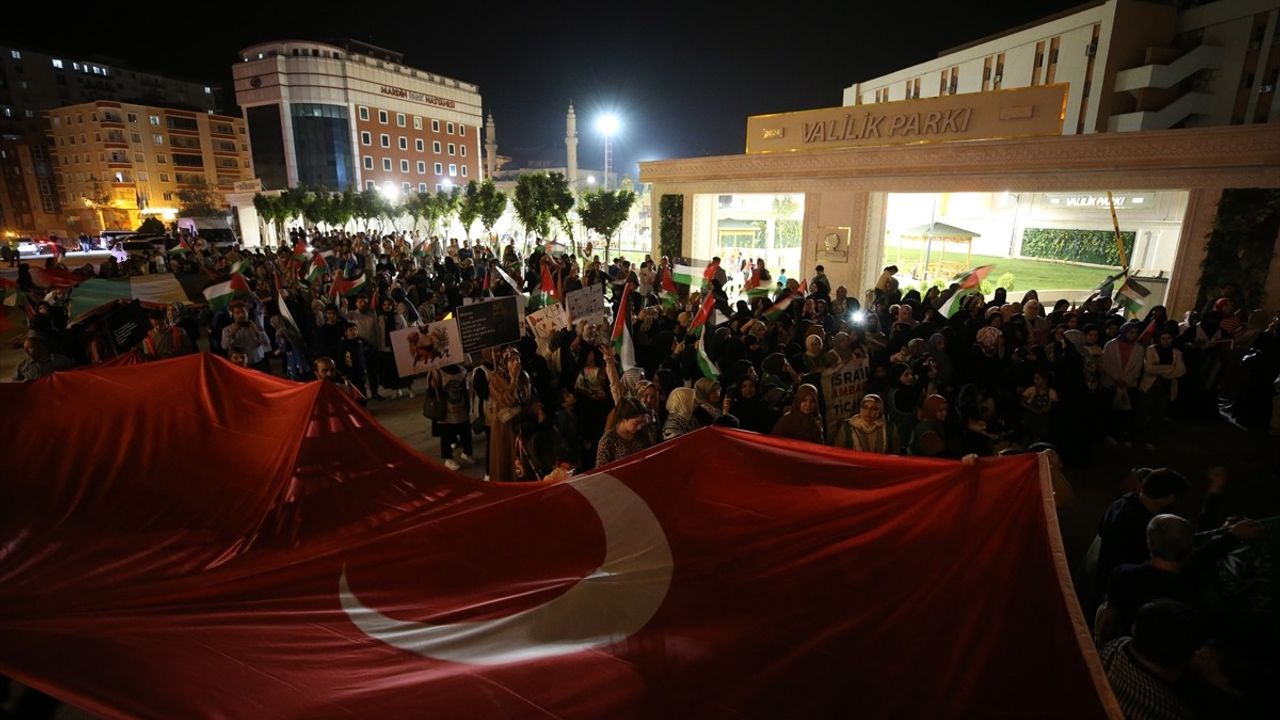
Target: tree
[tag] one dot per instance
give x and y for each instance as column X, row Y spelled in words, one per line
column 315, row 206
column 447, row 204
column 151, row 226
column 271, row 210
column 469, row 208
column 604, row 211
column 532, row 206
column 671, row 225
column 199, row 200
column 560, row 201
column 368, row 206
column 492, row 202
column 293, row 201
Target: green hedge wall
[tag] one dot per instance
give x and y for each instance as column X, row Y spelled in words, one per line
column 671, row 225
column 1089, row 246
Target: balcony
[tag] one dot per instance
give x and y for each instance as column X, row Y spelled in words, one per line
column 1192, row 103
column 1204, row 57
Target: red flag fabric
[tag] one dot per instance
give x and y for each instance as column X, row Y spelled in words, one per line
column 321, row 568
column 55, row 277
column 547, row 284
column 704, row 312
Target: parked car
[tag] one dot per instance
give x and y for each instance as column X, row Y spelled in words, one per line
column 215, row 231
column 136, row 245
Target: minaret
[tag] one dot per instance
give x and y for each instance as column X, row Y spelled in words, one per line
column 490, row 148
column 571, row 146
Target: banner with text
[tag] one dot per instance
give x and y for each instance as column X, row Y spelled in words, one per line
column 586, row 304
column 842, row 388
column 489, row 324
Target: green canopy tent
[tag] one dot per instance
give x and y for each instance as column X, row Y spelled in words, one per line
column 936, row 231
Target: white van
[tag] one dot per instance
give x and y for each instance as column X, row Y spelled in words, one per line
column 215, row 231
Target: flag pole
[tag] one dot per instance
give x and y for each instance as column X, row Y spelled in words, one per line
column 1115, row 222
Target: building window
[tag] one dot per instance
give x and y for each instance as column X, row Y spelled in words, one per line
column 157, row 139
column 439, row 169
column 404, row 143
column 435, row 147
column 136, row 138
column 154, row 120
column 452, row 149
column 400, row 119
column 450, row 129
column 435, row 126
column 132, row 118
column 142, row 177
column 368, row 184
column 417, row 122
column 464, row 171
column 366, row 138
column 406, row 188
column 422, row 187
column 15, row 54
column 364, row 113
column 439, row 187
column 462, row 150
column 453, row 170
column 30, row 113
column 164, row 177
column 422, row 167
column 404, row 166
column 368, row 162
column 168, row 195
column 462, row 130
column 382, row 116
column 418, row 144
column 139, row 158
column 57, row 63
column 160, row 158
column 385, row 139
column 208, row 90
column 386, row 164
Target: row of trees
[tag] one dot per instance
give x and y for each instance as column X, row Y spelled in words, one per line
column 542, row 203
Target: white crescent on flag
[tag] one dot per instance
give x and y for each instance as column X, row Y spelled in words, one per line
column 604, row 608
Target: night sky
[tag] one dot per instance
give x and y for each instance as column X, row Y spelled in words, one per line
column 683, row 79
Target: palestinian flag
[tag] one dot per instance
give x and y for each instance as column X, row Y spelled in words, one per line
column 547, row 286
column 343, row 287
column 705, row 364
column 508, row 279
column 55, row 278
column 973, row 278
column 1132, row 296
column 755, row 286
column 300, row 251
column 667, row 291
column 317, row 268
column 221, row 294
column 777, row 309
column 181, row 247
column 240, row 266
column 289, row 322
column 694, row 275
column 623, row 348
column 704, row 313
column 956, row 301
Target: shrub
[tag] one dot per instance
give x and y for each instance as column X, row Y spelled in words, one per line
column 1006, row 281
column 987, row 287
column 1088, row 246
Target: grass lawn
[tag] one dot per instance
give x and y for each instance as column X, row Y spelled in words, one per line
column 1027, row 274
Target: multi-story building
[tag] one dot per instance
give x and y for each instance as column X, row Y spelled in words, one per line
column 1128, row 64
column 32, row 82
column 126, row 161
column 354, row 115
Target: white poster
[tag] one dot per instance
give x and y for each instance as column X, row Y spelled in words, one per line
column 547, row 321
column 843, row 388
column 423, row 348
column 586, row 304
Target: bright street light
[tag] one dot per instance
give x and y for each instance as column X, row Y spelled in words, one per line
column 390, row 192
column 591, row 179
column 607, row 124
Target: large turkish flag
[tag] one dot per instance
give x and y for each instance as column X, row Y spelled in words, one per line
column 212, row 542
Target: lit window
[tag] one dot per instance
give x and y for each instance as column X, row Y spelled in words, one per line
column 386, row 164
column 435, row 147
column 208, row 90
column 435, row 126
column 385, row 139
column 400, row 119
column 418, row 144
column 366, row 138
column 157, row 139
column 453, row 149
column 453, row 170
column 364, row 113
column 155, row 120
column 422, row 167
column 382, row 116
column 119, row 176
column 15, row 54
column 368, row 162
column 439, row 169
column 57, row 63
column 75, row 66
column 450, row 128
column 404, row 143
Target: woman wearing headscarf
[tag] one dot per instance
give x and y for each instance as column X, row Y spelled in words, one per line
column 510, row 399
column 749, row 407
column 710, row 401
column 902, row 401
column 868, row 431
column 1122, row 361
column 388, row 322
column 802, row 421
column 929, row 438
column 813, row 354
column 1162, row 366
column 985, row 363
column 680, row 406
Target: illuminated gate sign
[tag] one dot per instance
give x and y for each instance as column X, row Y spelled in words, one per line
column 416, row 96
column 1019, row 112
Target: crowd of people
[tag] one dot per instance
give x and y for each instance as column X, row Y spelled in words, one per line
column 979, row 376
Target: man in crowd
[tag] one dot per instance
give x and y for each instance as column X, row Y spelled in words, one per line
column 246, row 336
